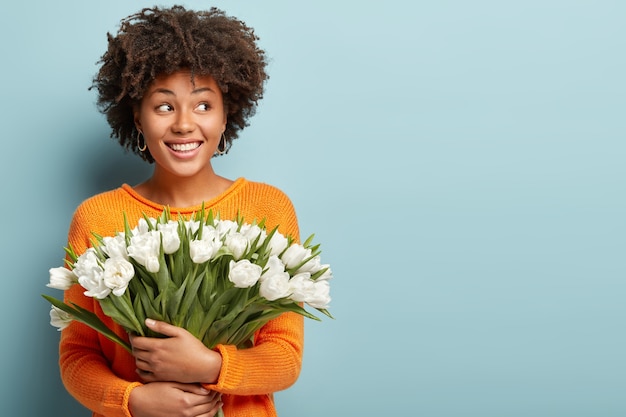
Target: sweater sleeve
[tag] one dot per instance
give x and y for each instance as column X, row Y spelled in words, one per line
column 86, row 373
column 101, row 375
column 275, row 360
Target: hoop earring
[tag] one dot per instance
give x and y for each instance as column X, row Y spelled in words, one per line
column 222, row 143
column 145, row 145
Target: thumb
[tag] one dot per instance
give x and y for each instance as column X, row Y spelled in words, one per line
column 162, row 327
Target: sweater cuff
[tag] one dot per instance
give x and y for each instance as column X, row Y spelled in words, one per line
column 229, row 371
column 124, row 410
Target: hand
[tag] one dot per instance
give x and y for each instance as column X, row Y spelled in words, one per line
column 180, row 357
column 173, row 399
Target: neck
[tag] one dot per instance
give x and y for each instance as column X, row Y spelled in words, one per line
column 182, row 191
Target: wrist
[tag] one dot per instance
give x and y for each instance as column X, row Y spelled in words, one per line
column 212, row 366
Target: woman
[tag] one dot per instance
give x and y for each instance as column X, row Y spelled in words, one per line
column 177, row 86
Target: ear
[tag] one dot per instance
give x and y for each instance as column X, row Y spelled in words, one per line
column 137, row 118
column 225, row 121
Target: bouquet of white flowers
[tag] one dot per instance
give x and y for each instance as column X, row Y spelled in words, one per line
column 221, row 280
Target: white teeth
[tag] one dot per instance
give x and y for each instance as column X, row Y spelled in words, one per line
column 182, row 147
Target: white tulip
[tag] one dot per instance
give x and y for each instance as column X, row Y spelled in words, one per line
column 327, row 275
column 312, row 265
column 278, row 243
column 89, row 272
column 226, row 227
column 87, row 263
column 94, row 284
column 244, row 274
column 117, row 274
column 170, row 236
column 145, row 249
column 192, row 226
column 314, row 293
column 237, row 243
column 294, row 255
column 62, row 278
column 115, row 247
column 275, row 286
column 252, row 231
column 59, row 318
column 203, row 250
column 142, row 226
column 274, row 266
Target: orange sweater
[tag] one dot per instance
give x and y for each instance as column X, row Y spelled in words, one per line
column 100, row 374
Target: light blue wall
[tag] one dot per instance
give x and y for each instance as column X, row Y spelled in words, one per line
column 461, row 162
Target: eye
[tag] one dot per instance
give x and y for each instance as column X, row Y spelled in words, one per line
column 164, row 108
column 204, row 107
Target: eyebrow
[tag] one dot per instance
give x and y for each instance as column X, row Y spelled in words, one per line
column 171, row 93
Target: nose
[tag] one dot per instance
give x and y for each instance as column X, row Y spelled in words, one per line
column 184, row 122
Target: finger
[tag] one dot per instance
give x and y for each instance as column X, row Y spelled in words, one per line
column 135, row 341
column 145, row 376
column 162, row 327
column 216, row 408
column 194, row 388
column 214, row 396
column 140, row 352
column 207, row 408
column 140, row 344
column 142, row 365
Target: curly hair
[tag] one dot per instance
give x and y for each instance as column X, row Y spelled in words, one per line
column 157, row 41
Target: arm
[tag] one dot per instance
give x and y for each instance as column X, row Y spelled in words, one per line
column 160, row 359
column 273, row 364
column 101, row 375
column 85, row 370
column 165, row 399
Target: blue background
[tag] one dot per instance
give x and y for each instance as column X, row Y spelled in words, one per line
column 461, row 163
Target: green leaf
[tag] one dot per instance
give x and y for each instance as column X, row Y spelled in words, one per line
column 191, row 293
column 308, row 241
column 128, row 233
column 241, row 336
column 319, row 273
column 326, row 312
column 293, row 270
column 217, row 309
column 194, row 320
column 149, row 305
column 90, row 319
column 288, row 305
column 151, row 227
column 206, row 292
column 140, row 311
column 162, row 277
column 120, row 309
column 222, row 328
column 199, row 298
column 69, row 250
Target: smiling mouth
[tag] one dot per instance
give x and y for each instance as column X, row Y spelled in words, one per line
column 184, row 147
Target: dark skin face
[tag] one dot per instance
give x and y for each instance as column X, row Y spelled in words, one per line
column 182, row 122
